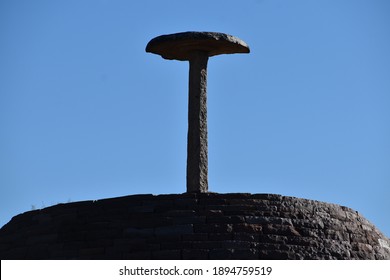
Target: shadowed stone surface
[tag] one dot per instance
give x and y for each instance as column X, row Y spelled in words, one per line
column 180, row 46
column 193, row 226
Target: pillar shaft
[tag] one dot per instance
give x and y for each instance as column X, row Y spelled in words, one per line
column 197, row 161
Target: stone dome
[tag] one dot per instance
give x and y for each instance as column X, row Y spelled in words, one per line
column 194, row 226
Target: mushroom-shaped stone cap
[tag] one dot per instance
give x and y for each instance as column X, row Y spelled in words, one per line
column 181, row 46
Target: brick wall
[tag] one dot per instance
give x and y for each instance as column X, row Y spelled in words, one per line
column 193, row 226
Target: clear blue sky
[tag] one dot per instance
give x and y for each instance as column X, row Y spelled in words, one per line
column 86, row 113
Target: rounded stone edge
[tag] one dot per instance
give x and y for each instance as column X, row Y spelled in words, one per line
column 330, row 230
column 179, row 46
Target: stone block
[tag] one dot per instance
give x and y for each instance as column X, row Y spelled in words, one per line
column 143, row 255
column 71, row 236
column 272, row 239
column 309, row 224
column 131, row 244
column 42, row 239
column 148, row 221
column 15, row 253
column 225, row 219
column 220, row 236
column 245, row 254
column 212, row 201
column 209, row 213
column 242, row 201
column 195, row 254
column 220, row 254
column 166, row 255
column 267, row 220
column 140, row 209
column 280, row 230
column 189, row 220
column 237, row 244
column 264, row 196
column 358, row 238
column 206, row 244
column 63, row 254
column 180, row 213
column 311, row 232
column 336, row 235
column 117, row 252
column 74, row 245
column 244, row 236
column 90, row 252
column 103, row 242
column 43, row 218
column 165, row 238
column 239, row 209
column 180, row 245
column 273, row 255
column 195, row 237
column 213, row 228
column 302, row 241
column 174, row 230
column 103, row 234
column 248, row 228
column 186, row 203
column 138, row 232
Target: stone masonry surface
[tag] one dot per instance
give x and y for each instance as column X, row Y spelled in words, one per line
column 193, row 226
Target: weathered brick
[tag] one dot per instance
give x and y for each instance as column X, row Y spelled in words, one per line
column 137, row 232
column 272, row 239
column 336, row 235
column 220, row 236
column 245, row 254
column 358, row 238
column 174, row 229
column 302, row 241
column 166, row 255
column 15, row 253
column 186, row 203
column 189, row 220
column 103, row 242
column 42, row 239
column 74, row 245
column 213, row 228
column 43, row 218
column 141, row 209
column 91, row 251
column 71, row 236
column 131, row 243
column 195, row 237
column 248, row 228
column 273, row 255
column 148, row 221
column 176, row 245
column 142, row 255
column 63, row 254
column 180, row 213
column 280, row 230
column 220, row 254
column 244, row 236
column 212, row 201
column 206, row 244
column 209, row 213
column 195, row 254
column 237, row 244
column 267, row 220
column 225, row 219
